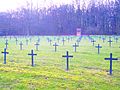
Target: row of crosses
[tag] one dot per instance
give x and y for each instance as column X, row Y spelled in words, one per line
column 67, row 56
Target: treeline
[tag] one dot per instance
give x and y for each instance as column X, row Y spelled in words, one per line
column 63, row 20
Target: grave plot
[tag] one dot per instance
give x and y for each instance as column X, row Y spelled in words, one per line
column 87, row 68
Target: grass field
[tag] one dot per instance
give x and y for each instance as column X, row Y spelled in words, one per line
column 87, row 69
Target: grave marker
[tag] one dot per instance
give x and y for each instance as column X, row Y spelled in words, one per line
column 93, row 41
column 78, row 41
column 98, row 48
column 68, row 39
column 63, row 40
column 26, row 41
column 6, row 44
column 111, row 59
column 103, row 40
column 37, row 45
column 55, row 46
column 116, row 39
column 32, row 57
column 67, row 56
column 110, row 42
column 21, row 44
column 30, row 39
column 5, row 53
column 16, row 41
column 50, row 41
column 38, row 40
column 75, row 46
column 58, row 39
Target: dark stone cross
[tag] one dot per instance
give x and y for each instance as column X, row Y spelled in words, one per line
column 50, row 41
column 78, row 41
column 110, row 37
column 111, row 59
column 6, row 44
column 30, row 39
column 75, row 46
column 27, row 41
column 71, row 38
column 5, row 53
column 55, row 46
column 100, row 38
column 68, row 39
column 38, row 40
column 54, row 38
column 103, row 40
column 67, row 57
column 10, row 37
column 21, row 44
column 16, row 41
column 93, row 41
column 63, row 40
column 58, row 39
column 116, row 39
column 98, row 48
column 110, row 42
column 32, row 56
column 37, row 44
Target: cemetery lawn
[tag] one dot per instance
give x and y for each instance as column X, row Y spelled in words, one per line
column 87, row 69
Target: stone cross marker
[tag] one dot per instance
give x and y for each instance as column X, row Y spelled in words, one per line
column 32, row 57
column 111, row 59
column 55, row 46
column 103, row 40
column 37, row 45
column 67, row 56
column 38, row 40
column 30, row 39
column 27, row 41
column 21, row 44
column 116, row 39
column 98, row 48
column 6, row 44
column 50, row 41
column 58, row 39
column 5, row 53
column 16, row 41
column 78, row 41
column 68, row 39
column 93, row 41
column 75, row 47
column 63, row 40
column 110, row 42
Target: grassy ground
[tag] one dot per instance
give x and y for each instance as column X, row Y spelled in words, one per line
column 87, row 71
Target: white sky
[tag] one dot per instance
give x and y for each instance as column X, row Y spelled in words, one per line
column 13, row 4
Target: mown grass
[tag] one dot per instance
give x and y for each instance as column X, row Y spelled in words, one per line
column 87, row 71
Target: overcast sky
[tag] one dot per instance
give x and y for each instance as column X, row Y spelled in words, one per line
column 13, row 4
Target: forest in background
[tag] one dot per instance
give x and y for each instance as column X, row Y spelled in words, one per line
column 100, row 19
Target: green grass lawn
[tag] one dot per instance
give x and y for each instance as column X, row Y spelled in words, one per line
column 87, row 69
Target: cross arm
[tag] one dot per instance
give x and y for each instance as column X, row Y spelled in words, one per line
column 112, row 58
